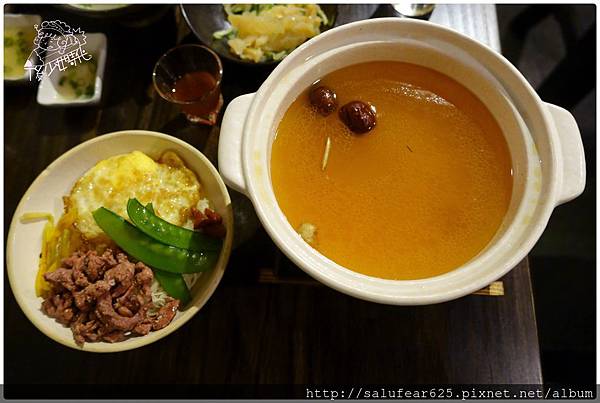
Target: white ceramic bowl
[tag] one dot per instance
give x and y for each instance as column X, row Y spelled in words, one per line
column 45, row 195
column 26, row 21
column 544, row 142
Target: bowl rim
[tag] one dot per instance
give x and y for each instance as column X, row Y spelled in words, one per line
column 368, row 287
column 186, row 315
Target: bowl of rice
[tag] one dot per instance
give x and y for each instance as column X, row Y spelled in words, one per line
column 45, row 196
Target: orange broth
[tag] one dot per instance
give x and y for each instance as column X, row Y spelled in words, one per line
column 421, row 194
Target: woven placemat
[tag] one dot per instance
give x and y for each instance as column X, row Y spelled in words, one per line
column 285, row 272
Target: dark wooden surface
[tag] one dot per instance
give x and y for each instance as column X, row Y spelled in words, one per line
column 248, row 332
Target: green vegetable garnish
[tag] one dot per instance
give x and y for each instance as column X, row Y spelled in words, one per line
column 151, row 252
column 89, row 90
column 277, row 55
column 79, row 81
column 225, row 33
column 165, row 232
column 18, row 43
column 173, row 284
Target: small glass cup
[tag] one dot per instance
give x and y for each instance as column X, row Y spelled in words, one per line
column 190, row 76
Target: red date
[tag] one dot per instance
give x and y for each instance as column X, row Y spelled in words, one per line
column 324, row 99
column 358, row 116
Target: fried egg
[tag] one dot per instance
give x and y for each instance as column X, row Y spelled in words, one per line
column 167, row 183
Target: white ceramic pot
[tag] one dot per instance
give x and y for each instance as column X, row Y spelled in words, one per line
column 544, row 142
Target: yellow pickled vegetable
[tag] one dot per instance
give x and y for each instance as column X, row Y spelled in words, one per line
column 58, row 242
column 263, row 32
column 41, row 286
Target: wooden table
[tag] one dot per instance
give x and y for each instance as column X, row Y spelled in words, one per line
column 250, row 332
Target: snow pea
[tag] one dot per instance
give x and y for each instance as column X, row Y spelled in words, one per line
column 165, row 232
column 173, row 284
column 153, row 253
column 150, row 207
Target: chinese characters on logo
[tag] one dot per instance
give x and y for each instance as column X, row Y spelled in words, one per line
column 57, row 46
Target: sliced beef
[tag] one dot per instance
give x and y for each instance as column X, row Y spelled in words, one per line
column 86, row 298
column 78, row 267
column 70, row 261
column 61, row 279
column 132, row 300
column 114, row 336
column 124, row 311
column 104, row 297
column 144, row 278
column 107, row 314
column 59, row 307
column 143, row 328
column 97, row 265
column 165, row 314
column 122, row 276
column 85, row 328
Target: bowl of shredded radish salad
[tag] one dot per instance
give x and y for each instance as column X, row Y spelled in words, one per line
column 268, row 32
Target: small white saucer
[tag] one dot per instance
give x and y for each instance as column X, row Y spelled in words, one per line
column 96, row 45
